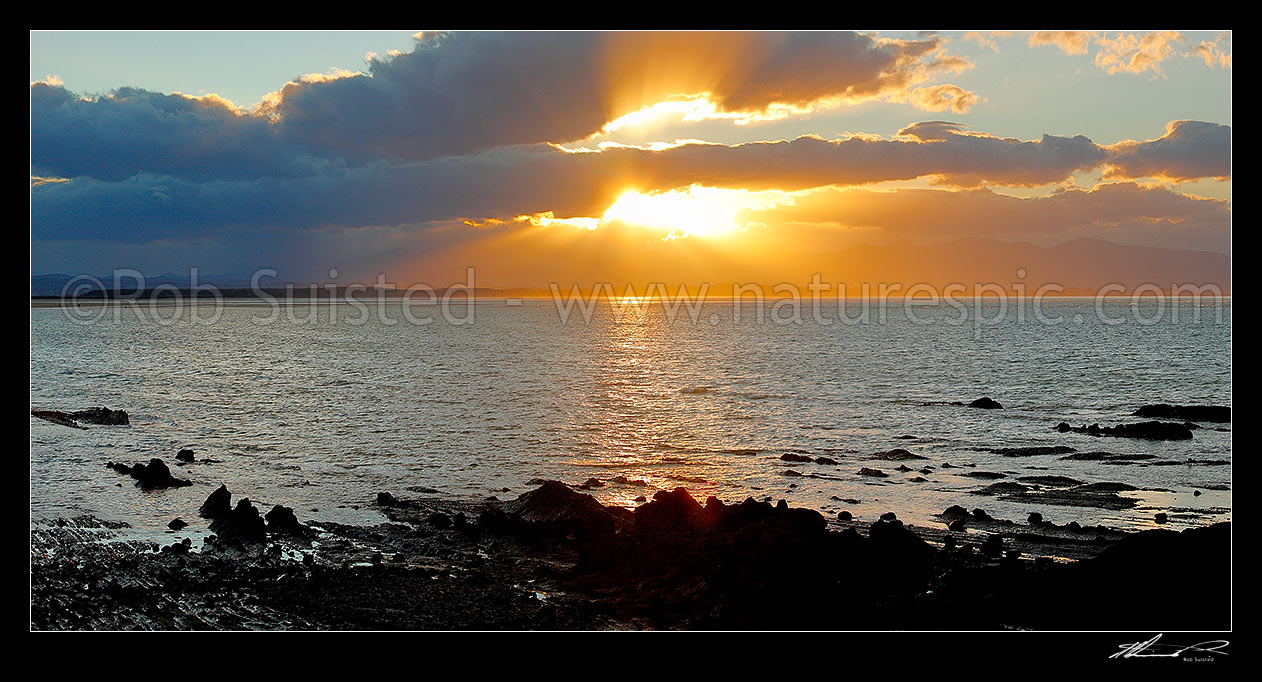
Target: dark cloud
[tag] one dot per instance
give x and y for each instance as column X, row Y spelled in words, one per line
column 463, row 93
column 133, row 131
column 525, row 180
column 1189, row 150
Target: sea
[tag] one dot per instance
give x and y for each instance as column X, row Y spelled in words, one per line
column 319, row 406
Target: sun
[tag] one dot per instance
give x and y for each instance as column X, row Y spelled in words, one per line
column 694, row 211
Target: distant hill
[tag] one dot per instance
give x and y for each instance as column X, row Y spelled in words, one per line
column 54, row 284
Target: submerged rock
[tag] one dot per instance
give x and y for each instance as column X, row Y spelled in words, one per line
column 57, row 417
column 791, row 457
column 986, row 404
column 152, row 476
column 1153, row 430
column 102, row 416
column 184, row 455
column 1105, row 457
column 875, row 473
column 177, row 524
column 895, row 455
column 1194, row 413
column 1032, row 450
column 93, row 415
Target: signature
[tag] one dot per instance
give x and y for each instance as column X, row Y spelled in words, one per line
column 1152, row 649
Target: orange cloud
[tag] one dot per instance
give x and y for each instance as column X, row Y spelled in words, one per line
column 1212, row 53
column 1135, row 53
column 1069, row 42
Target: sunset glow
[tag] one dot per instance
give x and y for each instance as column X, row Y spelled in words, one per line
column 695, row 211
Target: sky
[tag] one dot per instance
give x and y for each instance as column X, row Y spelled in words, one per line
column 538, row 157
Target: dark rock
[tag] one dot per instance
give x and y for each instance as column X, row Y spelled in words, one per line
column 895, row 455
column 889, row 516
column 844, row 516
column 1035, row 518
column 177, row 524
column 102, row 416
column 386, row 500
column 1053, row 481
column 1032, row 451
column 669, row 512
column 243, row 523
column 986, row 404
column 1161, row 517
column 954, row 511
column 592, row 483
column 217, row 505
column 93, row 415
column 1195, row 413
column 981, row 514
column 1153, row 430
column 791, row 457
column 1104, row 457
column 554, row 503
column 57, row 417
column 826, row 461
column 184, row 455
column 993, row 546
column 958, row 525
column 152, row 476
column 438, row 520
column 875, row 473
column 1002, row 488
column 282, row 521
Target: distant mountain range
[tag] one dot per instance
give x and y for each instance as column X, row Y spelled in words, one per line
column 1080, row 266
column 54, row 284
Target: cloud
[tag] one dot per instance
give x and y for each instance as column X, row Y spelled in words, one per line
column 943, row 98
column 1212, row 53
column 459, row 94
column 1136, row 53
column 1133, row 53
column 1123, row 212
column 133, row 131
column 1069, row 42
column 1189, row 150
column 533, row 179
column 537, row 179
column 987, row 42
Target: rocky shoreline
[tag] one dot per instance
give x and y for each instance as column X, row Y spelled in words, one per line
column 555, row 558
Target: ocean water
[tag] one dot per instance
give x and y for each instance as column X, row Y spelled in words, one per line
column 322, row 414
